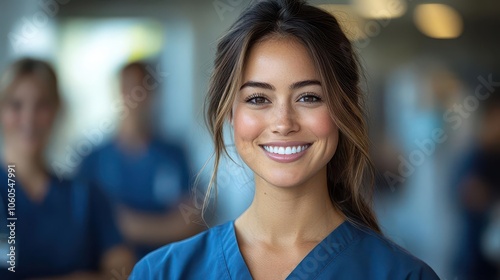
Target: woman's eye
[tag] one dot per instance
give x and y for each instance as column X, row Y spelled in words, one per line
column 309, row 99
column 257, row 100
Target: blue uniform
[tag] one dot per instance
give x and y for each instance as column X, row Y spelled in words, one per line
column 153, row 181
column 68, row 231
column 346, row 253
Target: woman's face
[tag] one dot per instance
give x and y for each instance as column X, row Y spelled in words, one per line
column 27, row 115
column 282, row 127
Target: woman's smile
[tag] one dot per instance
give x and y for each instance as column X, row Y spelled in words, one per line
column 285, row 152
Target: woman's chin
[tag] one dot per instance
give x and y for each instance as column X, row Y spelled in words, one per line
column 285, row 183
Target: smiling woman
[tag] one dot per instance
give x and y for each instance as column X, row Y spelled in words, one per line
column 280, row 119
column 287, row 80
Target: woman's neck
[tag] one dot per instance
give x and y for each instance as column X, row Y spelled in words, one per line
column 291, row 215
column 30, row 172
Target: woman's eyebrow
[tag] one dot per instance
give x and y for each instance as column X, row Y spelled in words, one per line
column 305, row 83
column 295, row 85
column 257, row 85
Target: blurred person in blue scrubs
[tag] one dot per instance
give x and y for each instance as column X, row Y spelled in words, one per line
column 479, row 199
column 286, row 80
column 146, row 178
column 63, row 229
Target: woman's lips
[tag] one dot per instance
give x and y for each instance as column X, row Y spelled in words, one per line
column 285, row 152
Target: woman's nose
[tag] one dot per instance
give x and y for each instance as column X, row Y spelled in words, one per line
column 285, row 120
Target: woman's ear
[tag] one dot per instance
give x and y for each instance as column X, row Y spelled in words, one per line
column 231, row 118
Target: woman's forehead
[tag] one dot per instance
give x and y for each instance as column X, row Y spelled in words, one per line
column 278, row 58
column 30, row 86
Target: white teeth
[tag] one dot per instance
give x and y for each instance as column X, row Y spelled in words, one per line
column 285, row 151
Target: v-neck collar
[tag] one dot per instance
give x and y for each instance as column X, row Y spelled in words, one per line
column 51, row 183
column 309, row 268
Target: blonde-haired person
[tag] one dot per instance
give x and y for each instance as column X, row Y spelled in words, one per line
column 64, row 229
column 287, row 81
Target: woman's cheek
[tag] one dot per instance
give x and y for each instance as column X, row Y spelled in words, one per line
column 319, row 122
column 10, row 121
column 247, row 124
column 46, row 118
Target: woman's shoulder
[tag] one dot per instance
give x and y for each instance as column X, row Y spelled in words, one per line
column 184, row 259
column 374, row 251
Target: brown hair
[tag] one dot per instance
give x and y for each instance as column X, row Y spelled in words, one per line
column 25, row 67
column 135, row 66
column 333, row 56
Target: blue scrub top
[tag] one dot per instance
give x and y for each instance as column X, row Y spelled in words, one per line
column 69, row 231
column 346, row 253
column 152, row 181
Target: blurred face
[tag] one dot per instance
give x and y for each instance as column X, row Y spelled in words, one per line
column 282, row 127
column 27, row 115
column 135, row 93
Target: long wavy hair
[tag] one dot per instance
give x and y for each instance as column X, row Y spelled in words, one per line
column 333, row 55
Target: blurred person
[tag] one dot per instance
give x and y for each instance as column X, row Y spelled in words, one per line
column 479, row 196
column 419, row 147
column 145, row 177
column 287, row 80
column 64, row 229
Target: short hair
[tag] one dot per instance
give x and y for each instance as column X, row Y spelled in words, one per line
column 135, row 66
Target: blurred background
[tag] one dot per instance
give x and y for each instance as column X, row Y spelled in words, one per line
column 432, row 78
